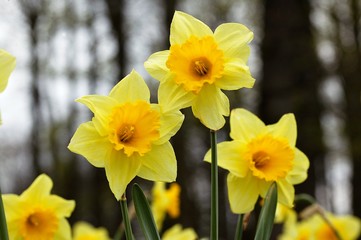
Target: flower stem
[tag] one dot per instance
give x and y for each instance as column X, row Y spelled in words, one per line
column 239, row 229
column 125, row 216
column 214, row 187
column 3, row 227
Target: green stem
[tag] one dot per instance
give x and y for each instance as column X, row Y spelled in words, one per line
column 239, row 229
column 214, row 187
column 125, row 216
column 3, row 227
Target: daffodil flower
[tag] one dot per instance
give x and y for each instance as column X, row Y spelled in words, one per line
column 7, row 65
column 36, row 214
column 259, row 155
column 178, row 233
column 85, row 231
column 165, row 201
column 128, row 136
column 199, row 64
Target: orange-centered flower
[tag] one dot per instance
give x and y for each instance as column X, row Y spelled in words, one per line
column 128, row 135
column 36, row 214
column 259, row 155
column 199, row 64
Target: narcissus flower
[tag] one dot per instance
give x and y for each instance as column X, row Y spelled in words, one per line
column 85, row 231
column 199, row 64
column 348, row 227
column 7, row 65
column 177, row 233
column 259, row 155
column 165, row 201
column 36, row 214
column 128, row 136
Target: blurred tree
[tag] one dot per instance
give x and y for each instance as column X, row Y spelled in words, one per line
column 291, row 78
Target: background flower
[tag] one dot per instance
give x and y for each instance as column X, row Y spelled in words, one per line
column 177, row 233
column 259, row 155
column 199, row 64
column 85, row 231
column 128, row 136
column 7, row 65
column 36, row 214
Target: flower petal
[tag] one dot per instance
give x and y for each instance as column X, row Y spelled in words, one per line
column 7, row 65
column 286, row 127
column 170, row 123
column 12, row 206
column 184, row 26
column 64, row 230
column 235, row 76
column 229, row 157
column 298, row 173
column 120, row 170
column 286, row 192
column 159, row 164
column 210, row 106
column 233, row 38
column 130, row 89
column 245, row 125
column 102, row 107
column 87, row 142
column 155, row 65
column 242, row 192
column 172, row 96
column 39, row 189
column 61, row 206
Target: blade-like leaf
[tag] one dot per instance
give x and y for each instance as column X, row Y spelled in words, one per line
column 267, row 215
column 144, row 214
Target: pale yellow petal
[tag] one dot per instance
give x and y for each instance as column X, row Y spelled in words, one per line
column 349, row 227
column 130, row 89
column 88, row 143
column 184, row 26
column 159, row 164
column 7, row 65
column 210, row 106
column 61, row 206
column 84, row 229
column 172, row 96
column 120, row 170
column 233, row 38
column 230, row 158
column 12, row 206
column 286, row 192
column 170, row 123
column 236, row 75
column 177, row 233
column 155, row 65
column 245, row 125
column 298, row 173
column 39, row 189
column 102, row 107
column 242, row 193
column 64, row 230
column 286, row 127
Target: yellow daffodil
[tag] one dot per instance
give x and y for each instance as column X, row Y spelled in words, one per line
column 165, row 201
column 128, row 136
column 199, row 64
column 85, row 231
column 315, row 228
column 36, row 214
column 177, row 233
column 259, row 155
column 7, row 65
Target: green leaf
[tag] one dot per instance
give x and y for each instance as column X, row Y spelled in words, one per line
column 267, row 215
column 144, row 214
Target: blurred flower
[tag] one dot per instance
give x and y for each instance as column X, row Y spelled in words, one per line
column 199, row 64
column 284, row 214
column 165, row 201
column 259, row 155
column 7, row 65
column 128, row 136
column 85, row 231
column 315, row 228
column 36, row 214
column 177, row 233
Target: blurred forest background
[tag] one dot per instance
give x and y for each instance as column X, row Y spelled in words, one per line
column 305, row 56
